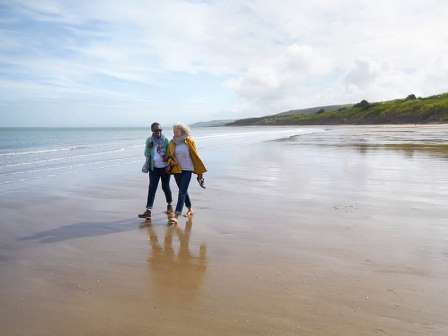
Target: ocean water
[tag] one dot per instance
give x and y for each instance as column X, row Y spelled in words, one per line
column 48, row 157
column 34, row 157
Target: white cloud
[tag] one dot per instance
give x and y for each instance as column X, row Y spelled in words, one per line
column 361, row 75
column 272, row 56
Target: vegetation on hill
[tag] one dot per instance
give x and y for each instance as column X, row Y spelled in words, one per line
column 212, row 123
column 410, row 110
column 311, row 110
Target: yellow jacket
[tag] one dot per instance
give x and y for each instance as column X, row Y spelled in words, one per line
column 198, row 165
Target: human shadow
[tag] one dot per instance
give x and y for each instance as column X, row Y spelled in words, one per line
column 174, row 266
column 82, row 230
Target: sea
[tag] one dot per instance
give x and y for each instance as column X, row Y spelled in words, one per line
column 36, row 158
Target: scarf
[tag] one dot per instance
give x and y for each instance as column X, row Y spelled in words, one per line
column 158, row 144
column 158, row 141
column 179, row 140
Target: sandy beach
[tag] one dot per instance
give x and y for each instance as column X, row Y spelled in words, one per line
column 301, row 231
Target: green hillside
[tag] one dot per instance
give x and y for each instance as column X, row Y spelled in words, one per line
column 411, row 110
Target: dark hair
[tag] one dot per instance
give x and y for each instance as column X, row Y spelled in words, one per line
column 154, row 125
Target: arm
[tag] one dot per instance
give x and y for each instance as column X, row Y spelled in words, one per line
column 193, row 144
column 171, row 158
column 148, row 147
column 166, row 145
column 195, row 156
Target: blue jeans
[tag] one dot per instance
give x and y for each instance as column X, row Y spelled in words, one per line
column 154, row 176
column 183, row 181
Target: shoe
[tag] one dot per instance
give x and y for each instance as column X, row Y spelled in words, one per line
column 169, row 209
column 172, row 218
column 189, row 213
column 146, row 214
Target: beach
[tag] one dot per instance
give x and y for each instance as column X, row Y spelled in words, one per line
column 317, row 230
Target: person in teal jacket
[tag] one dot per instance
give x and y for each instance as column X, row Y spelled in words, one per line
column 156, row 150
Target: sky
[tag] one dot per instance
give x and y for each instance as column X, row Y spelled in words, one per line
column 128, row 63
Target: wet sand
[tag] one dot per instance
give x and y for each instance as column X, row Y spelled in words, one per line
column 309, row 235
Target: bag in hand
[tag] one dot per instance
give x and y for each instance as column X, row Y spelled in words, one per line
column 145, row 168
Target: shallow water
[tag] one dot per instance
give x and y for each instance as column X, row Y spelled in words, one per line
column 29, row 157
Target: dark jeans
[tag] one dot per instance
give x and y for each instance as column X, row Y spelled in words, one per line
column 183, row 181
column 154, row 177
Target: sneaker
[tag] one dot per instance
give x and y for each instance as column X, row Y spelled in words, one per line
column 146, row 214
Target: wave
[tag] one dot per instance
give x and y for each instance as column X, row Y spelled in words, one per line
column 260, row 132
column 66, row 149
column 63, row 158
column 70, row 166
column 43, row 151
column 297, row 135
column 78, row 147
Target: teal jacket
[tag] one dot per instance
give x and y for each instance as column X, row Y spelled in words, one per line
column 149, row 151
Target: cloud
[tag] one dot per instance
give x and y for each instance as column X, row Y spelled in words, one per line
column 284, row 80
column 237, row 58
column 361, row 75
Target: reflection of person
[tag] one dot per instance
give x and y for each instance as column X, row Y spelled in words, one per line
column 184, row 160
column 181, row 269
column 156, row 155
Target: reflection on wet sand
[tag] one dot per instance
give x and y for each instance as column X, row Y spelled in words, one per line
column 408, row 139
column 174, row 268
column 435, row 150
column 408, row 149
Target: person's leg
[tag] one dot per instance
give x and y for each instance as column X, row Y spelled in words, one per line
column 187, row 201
column 177, row 177
column 154, row 177
column 188, row 205
column 183, row 181
column 165, row 177
column 152, row 188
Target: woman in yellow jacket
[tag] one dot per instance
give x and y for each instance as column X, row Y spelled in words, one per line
column 184, row 161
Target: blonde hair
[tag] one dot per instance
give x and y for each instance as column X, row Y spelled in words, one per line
column 184, row 128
